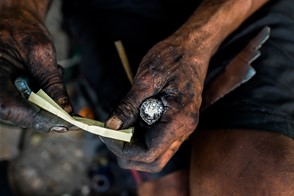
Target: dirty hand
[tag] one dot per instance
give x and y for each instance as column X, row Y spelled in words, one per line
column 172, row 71
column 26, row 50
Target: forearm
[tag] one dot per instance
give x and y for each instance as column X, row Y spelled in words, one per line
column 38, row 7
column 214, row 20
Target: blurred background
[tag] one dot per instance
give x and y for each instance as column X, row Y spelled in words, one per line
column 74, row 163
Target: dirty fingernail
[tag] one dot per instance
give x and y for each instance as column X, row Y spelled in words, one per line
column 114, row 123
column 59, row 129
column 65, row 104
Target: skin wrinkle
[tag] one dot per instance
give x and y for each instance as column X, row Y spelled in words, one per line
column 15, row 117
column 6, row 69
column 134, row 153
column 41, row 54
column 174, row 93
column 169, row 139
column 185, row 55
column 197, row 41
column 3, row 113
column 27, row 50
column 38, row 125
column 51, row 81
column 146, row 84
column 128, row 110
column 157, row 164
column 10, row 54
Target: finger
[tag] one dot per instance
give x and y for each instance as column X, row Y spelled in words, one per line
column 177, row 120
column 22, row 113
column 41, row 63
column 146, row 85
column 157, row 139
column 158, row 164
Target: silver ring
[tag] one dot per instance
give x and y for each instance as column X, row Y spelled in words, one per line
column 151, row 110
column 22, row 86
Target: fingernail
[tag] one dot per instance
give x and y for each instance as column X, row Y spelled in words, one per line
column 65, row 104
column 114, row 123
column 59, row 129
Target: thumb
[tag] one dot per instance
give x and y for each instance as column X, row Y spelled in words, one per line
column 126, row 113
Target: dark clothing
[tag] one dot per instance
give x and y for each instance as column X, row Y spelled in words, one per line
column 266, row 102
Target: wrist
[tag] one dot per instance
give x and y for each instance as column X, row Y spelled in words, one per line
column 214, row 20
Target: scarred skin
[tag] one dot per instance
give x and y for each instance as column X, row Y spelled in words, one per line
column 174, row 70
column 27, row 50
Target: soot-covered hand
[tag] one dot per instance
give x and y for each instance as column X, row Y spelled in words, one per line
column 173, row 71
column 27, row 51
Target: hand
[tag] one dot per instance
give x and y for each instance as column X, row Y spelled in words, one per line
column 173, row 71
column 26, row 50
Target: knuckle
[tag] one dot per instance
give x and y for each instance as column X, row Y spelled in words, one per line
column 42, row 50
column 157, row 166
column 37, row 121
column 44, row 121
column 127, row 110
column 151, row 81
column 129, row 103
column 4, row 111
column 123, row 163
column 12, row 113
column 150, row 159
column 60, row 70
column 38, row 47
column 113, row 146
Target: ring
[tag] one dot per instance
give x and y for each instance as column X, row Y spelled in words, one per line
column 151, row 110
column 22, row 86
